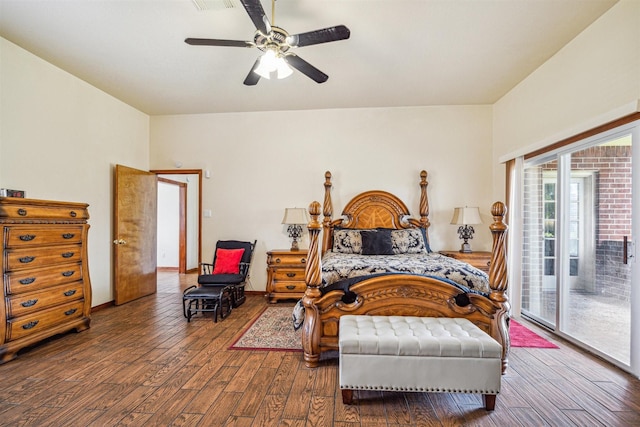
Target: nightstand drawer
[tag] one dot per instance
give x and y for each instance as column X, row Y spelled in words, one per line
column 289, row 258
column 288, row 274
column 289, row 287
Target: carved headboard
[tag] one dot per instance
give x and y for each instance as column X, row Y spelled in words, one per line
column 373, row 209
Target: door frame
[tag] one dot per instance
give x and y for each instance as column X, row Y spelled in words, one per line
column 183, row 213
column 182, row 222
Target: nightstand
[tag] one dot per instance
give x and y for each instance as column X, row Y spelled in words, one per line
column 285, row 274
column 480, row 260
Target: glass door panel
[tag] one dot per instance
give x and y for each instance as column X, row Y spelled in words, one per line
column 596, row 291
column 539, row 298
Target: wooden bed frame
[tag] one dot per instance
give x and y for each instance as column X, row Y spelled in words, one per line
column 400, row 295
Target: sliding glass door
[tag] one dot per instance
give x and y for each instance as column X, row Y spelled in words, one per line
column 578, row 252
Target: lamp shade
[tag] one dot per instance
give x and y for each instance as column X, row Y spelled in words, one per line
column 466, row 216
column 295, row 216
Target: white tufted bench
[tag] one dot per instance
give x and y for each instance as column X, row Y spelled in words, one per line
column 422, row 354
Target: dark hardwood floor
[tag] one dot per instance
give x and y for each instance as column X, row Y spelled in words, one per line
column 143, row 364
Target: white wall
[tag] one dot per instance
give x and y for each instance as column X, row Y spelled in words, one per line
column 59, row 140
column 168, row 225
column 262, row 163
column 593, row 80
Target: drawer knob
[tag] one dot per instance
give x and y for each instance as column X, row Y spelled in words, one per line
column 27, row 281
column 290, row 287
column 291, row 274
column 29, row 303
column 69, row 292
column 277, row 260
column 303, row 261
column 67, row 254
column 70, row 312
column 68, row 273
column 22, row 212
column 68, row 236
column 73, row 214
column 26, row 259
column 31, row 324
column 27, row 237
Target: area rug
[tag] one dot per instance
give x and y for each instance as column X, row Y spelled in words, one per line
column 524, row 337
column 272, row 330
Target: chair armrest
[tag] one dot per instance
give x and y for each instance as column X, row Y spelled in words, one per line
column 244, row 268
column 206, row 268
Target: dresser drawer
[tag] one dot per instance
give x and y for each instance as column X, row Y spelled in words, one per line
column 289, row 287
column 30, row 280
column 23, row 304
column 288, row 275
column 20, row 236
column 17, row 259
column 34, row 209
column 291, row 258
column 31, row 324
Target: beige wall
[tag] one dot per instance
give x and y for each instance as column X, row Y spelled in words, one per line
column 261, row 163
column 59, row 140
column 591, row 81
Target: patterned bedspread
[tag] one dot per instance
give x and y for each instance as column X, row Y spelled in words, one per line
column 337, row 266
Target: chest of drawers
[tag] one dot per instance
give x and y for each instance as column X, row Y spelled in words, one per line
column 46, row 289
column 285, row 274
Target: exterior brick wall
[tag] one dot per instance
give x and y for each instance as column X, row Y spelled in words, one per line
column 613, row 193
column 613, row 221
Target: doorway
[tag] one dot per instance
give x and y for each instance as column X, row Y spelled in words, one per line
column 189, row 246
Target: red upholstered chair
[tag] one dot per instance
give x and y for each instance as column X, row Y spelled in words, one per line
column 221, row 284
column 230, row 267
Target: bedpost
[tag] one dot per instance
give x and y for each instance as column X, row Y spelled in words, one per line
column 327, row 211
column 498, row 279
column 313, row 279
column 424, row 201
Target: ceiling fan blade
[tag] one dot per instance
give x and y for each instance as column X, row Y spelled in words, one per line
column 305, row 68
column 257, row 15
column 331, row 34
column 253, row 78
column 218, row 42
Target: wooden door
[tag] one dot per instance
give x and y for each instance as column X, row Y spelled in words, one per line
column 135, row 240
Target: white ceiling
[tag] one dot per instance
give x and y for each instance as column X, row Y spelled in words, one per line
column 401, row 52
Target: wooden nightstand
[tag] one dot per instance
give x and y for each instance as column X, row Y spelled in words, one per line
column 285, row 274
column 480, row 260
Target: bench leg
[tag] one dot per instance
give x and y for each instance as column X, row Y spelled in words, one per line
column 347, row 396
column 489, row 401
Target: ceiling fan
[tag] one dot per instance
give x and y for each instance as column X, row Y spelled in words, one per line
column 277, row 45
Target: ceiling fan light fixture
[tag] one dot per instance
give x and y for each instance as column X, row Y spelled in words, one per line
column 283, row 69
column 271, row 63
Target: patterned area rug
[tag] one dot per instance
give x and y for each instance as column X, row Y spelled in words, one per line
column 272, row 330
column 523, row 337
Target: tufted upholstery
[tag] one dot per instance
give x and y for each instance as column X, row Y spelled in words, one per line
column 415, row 336
column 422, row 354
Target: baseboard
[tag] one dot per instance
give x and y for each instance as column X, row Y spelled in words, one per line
column 102, row 306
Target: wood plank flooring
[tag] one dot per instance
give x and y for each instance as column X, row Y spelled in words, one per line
column 143, row 364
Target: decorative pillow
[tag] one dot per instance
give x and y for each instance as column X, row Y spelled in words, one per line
column 376, row 242
column 347, row 241
column 228, row 261
column 408, row 241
